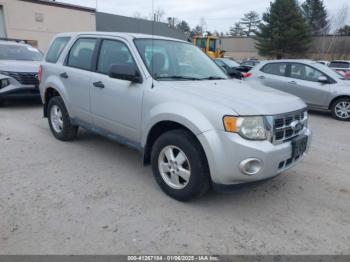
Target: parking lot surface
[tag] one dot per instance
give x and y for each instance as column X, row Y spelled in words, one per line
column 93, row 196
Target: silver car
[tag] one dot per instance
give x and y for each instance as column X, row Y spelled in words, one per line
column 318, row 85
column 19, row 64
column 172, row 103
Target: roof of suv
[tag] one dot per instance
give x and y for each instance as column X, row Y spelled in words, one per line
column 2, row 42
column 129, row 36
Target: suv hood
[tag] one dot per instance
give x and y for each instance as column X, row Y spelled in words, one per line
column 244, row 99
column 19, row 66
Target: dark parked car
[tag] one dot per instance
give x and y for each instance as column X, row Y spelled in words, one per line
column 230, row 66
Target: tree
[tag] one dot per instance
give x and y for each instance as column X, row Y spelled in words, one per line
column 237, row 30
column 316, row 16
column 158, row 15
column 197, row 31
column 250, row 22
column 284, row 31
column 183, row 27
column 345, row 31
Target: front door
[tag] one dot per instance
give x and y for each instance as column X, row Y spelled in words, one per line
column 303, row 79
column 115, row 104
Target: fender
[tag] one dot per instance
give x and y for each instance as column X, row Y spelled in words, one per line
column 55, row 83
column 182, row 114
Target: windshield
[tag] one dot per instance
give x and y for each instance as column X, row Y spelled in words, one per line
column 20, row 52
column 230, row 62
column 171, row 60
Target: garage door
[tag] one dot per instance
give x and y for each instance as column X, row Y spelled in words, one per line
column 2, row 23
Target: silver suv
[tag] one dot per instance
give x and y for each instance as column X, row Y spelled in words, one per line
column 318, row 85
column 19, row 64
column 168, row 100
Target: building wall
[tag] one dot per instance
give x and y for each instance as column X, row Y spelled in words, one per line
column 39, row 22
column 322, row 48
column 116, row 23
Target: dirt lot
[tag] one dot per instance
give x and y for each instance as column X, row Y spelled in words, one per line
column 93, row 196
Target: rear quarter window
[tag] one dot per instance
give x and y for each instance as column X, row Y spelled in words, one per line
column 56, row 49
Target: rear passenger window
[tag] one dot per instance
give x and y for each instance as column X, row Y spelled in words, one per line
column 56, row 49
column 275, row 69
column 80, row 55
column 113, row 53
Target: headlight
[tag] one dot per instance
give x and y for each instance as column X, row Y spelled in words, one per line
column 250, row 127
column 4, row 83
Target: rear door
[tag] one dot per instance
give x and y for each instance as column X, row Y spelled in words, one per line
column 303, row 80
column 274, row 75
column 76, row 76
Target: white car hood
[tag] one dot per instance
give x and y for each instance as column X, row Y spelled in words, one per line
column 242, row 98
column 19, row 66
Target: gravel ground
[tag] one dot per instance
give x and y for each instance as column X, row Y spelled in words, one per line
column 93, row 196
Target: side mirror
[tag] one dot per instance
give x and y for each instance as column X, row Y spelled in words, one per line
column 125, row 72
column 323, row 79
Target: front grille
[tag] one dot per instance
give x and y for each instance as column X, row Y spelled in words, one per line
column 283, row 130
column 25, row 78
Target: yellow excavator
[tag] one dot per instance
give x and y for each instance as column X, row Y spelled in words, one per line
column 211, row 45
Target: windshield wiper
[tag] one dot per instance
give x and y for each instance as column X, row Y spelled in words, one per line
column 178, row 77
column 213, row 78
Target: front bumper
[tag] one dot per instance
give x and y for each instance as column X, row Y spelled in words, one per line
column 225, row 152
column 14, row 91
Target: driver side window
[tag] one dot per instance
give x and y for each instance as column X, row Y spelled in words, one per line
column 113, row 53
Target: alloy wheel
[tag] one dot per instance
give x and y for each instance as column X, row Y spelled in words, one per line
column 174, row 167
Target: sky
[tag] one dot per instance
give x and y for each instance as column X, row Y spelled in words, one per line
column 220, row 15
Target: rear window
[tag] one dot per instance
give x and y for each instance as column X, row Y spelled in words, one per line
column 80, row 55
column 275, row 69
column 344, row 65
column 56, row 49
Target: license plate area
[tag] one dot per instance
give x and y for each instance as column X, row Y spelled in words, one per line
column 299, row 146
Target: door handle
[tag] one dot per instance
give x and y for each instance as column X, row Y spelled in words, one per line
column 99, row 84
column 64, row 75
column 292, row 82
column 261, row 77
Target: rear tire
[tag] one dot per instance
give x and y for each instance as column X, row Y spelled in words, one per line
column 59, row 120
column 179, row 165
column 341, row 109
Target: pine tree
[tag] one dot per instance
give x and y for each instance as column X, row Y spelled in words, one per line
column 316, row 16
column 237, row 30
column 184, row 27
column 284, row 31
column 250, row 22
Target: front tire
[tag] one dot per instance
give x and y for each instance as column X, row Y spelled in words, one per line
column 341, row 109
column 59, row 120
column 179, row 165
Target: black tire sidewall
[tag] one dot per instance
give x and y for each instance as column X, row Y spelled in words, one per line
column 334, row 106
column 200, row 178
column 68, row 130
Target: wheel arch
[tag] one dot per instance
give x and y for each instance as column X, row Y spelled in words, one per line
column 160, row 128
column 337, row 98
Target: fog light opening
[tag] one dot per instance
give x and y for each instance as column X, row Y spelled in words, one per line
column 251, row 166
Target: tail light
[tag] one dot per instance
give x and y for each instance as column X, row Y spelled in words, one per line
column 40, row 73
column 247, row 75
